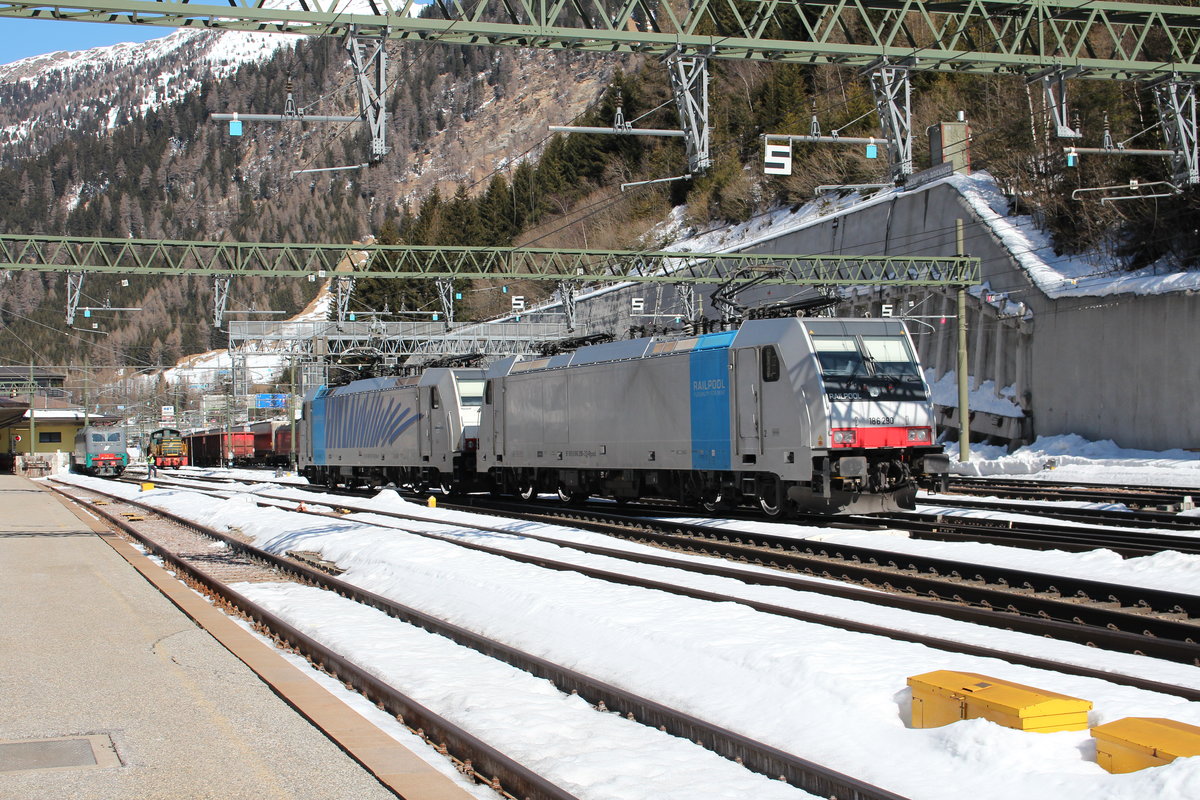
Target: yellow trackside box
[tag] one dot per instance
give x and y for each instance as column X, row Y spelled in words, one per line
column 147, row 487
column 1134, row 743
column 942, row 697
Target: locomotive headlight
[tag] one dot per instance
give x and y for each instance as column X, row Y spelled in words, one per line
column 843, row 437
column 924, row 435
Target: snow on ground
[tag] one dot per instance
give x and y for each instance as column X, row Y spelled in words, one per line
column 834, row 697
column 985, row 399
column 1063, row 275
column 1063, row 459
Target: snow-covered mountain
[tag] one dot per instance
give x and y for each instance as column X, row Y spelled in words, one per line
column 45, row 98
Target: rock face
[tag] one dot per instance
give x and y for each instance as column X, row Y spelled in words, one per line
column 500, row 117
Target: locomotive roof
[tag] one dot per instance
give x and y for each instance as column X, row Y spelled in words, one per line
column 426, row 378
column 751, row 333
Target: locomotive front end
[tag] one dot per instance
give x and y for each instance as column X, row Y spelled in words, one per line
column 878, row 441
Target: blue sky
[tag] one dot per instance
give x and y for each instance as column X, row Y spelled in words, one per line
column 21, row 38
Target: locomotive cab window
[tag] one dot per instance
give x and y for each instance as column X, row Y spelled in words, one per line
column 114, row 437
column 876, row 368
column 890, row 356
column 769, row 359
column 470, row 392
column 839, row 356
column 98, row 437
column 487, row 393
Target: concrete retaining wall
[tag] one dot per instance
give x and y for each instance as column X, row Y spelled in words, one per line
column 1124, row 367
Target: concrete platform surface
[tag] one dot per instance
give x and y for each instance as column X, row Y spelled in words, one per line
column 93, row 654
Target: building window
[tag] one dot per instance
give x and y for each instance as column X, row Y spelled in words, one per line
column 49, row 437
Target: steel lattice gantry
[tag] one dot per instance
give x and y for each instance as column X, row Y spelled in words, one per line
column 313, row 261
column 326, row 338
column 1099, row 39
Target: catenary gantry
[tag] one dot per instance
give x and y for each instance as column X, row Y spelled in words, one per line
column 233, row 259
column 1092, row 39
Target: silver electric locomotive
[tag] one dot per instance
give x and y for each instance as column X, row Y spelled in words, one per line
column 823, row 415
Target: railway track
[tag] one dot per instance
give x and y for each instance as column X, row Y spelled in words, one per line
column 1035, row 535
column 193, row 556
column 1157, row 520
column 1084, row 529
column 1142, row 497
column 209, row 561
column 1121, row 618
column 1114, row 616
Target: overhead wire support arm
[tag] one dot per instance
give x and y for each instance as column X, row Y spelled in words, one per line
column 1054, row 92
column 343, row 291
column 445, row 289
column 290, row 114
column 689, row 83
column 1176, row 101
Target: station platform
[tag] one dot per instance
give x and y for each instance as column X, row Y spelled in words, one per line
column 111, row 691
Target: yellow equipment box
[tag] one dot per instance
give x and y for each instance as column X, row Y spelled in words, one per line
column 942, row 697
column 147, row 487
column 1133, row 743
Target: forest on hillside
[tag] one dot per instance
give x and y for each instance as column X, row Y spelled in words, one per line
column 171, row 174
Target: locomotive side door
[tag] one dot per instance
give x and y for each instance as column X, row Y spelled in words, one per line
column 748, row 401
column 495, row 399
column 430, row 407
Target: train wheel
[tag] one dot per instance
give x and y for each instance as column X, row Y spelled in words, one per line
column 716, row 502
column 527, row 492
column 773, row 506
column 568, row 497
column 772, row 501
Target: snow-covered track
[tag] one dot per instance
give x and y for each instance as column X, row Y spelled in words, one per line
column 1117, row 617
column 463, row 747
column 242, row 562
column 1033, row 624
column 1146, row 621
column 1035, row 535
column 1115, row 517
column 1152, row 497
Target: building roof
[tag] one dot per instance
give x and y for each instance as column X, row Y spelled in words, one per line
column 41, row 375
column 12, row 411
column 47, row 409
